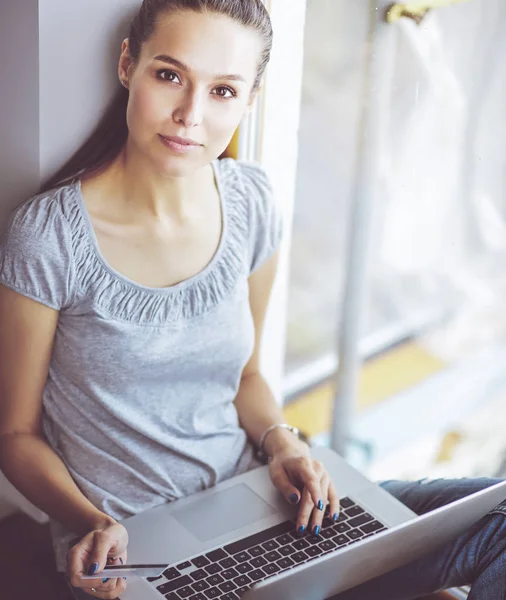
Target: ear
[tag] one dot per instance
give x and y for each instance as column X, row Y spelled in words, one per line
column 125, row 62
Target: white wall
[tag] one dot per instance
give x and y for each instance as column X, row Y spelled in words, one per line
column 58, row 71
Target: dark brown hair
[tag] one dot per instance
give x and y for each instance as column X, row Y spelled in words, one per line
column 111, row 133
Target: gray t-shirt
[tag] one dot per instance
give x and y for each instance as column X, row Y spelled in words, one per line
column 139, row 397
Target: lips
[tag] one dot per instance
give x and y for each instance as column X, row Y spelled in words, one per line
column 180, row 140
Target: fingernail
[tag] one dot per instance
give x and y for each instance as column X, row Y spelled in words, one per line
column 336, row 516
column 105, row 579
column 124, row 578
column 121, row 561
column 294, row 498
column 316, row 530
column 320, row 504
column 93, row 569
column 301, row 529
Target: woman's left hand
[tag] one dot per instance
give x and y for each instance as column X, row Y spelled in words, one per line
column 302, row 479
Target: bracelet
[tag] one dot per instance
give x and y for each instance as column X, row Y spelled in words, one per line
column 261, row 452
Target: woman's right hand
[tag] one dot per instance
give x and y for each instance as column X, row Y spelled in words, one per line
column 100, row 547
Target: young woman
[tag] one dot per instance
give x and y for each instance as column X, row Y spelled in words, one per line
column 133, row 295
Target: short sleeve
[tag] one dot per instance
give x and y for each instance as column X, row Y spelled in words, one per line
column 36, row 255
column 264, row 220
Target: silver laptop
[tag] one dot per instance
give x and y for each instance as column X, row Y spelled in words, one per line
column 238, row 539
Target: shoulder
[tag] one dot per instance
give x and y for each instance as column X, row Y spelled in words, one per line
column 41, row 216
column 247, row 176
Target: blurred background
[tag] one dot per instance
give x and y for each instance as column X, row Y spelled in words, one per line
column 412, row 116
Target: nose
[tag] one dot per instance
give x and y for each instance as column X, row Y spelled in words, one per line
column 189, row 111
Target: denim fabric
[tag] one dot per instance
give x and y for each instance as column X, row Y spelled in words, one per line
column 476, row 558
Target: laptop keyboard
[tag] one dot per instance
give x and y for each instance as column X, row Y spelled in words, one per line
column 228, row 572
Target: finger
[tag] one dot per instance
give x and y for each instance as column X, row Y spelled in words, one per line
column 308, row 472
column 77, row 559
column 317, row 516
column 282, row 482
column 102, row 545
column 306, row 507
column 334, row 506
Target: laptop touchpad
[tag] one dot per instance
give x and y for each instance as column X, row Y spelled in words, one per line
column 228, row 510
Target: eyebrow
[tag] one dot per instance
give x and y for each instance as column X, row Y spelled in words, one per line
column 172, row 61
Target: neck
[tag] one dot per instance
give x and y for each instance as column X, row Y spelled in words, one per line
column 149, row 194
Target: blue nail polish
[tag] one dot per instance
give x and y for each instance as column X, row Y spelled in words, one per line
column 301, row 529
column 121, row 561
column 316, row 530
column 105, row 579
column 320, row 504
column 294, row 498
column 336, row 516
column 93, row 569
column 124, row 578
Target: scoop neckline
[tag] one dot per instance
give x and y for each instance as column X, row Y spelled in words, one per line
column 139, row 286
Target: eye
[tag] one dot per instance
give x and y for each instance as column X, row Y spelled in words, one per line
column 172, row 76
column 225, row 92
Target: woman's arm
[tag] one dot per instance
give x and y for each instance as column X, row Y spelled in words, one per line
column 27, row 333
column 292, row 469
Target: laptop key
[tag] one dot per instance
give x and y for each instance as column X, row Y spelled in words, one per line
column 341, row 540
column 360, row 520
column 284, row 539
column 198, row 596
column 212, row 593
column 151, row 579
column 272, row 556
column 341, row 527
column 370, row 527
column 200, row 561
column 241, row 591
column 301, row 544
column 327, row 534
column 259, row 561
column 286, row 563
column 171, row 596
column 229, row 596
column 199, row 574
column 216, row 555
column 270, row 545
column 256, row 551
column 226, row 563
column 244, row 567
column 213, row 568
column 228, row 586
column 185, row 592
column 346, row 502
column 257, row 574
column 184, row 565
column 287, row 550
column 174, row 585
column 242, row 581
column 200, row 586
column 313, row 539
column 355, row 534
column 327, row 545
column 314, row 551
column 242, row 556
column 272, row 568
column 299, row 557
column 171, row 573
column 215, row 579
column 258, row 538
column 229, row 573
column 354, row 511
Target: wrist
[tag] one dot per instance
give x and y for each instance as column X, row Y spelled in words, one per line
column 281, row 440
column 101, row 521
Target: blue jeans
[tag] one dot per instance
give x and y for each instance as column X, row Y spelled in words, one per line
column 476, row 558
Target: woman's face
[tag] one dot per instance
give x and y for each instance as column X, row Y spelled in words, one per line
column 193, row 81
